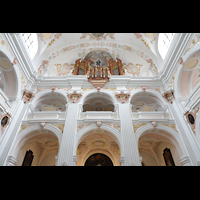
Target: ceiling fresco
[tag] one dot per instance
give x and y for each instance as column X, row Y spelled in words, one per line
column 136, row 50
column 96, row 55
column 97, row 36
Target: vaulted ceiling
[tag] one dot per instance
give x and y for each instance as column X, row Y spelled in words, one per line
column 136, row 50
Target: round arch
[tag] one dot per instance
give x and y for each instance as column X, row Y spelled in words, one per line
column 177, row 80
column 90, row 153
column 86, row 94
column 22, row 136
column 17, row 75
column 152, row 92
column 114, row 133
column 174, row 137
column 40, row 94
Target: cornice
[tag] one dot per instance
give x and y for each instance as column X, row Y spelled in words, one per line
column 177, row 48
column 16, row 46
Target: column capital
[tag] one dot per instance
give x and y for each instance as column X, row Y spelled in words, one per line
column 185, row 161
column 75, row 160
column 11, row 161
column 121, row 161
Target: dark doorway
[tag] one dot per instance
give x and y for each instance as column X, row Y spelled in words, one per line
column 28, row 158
column 169, row 161
column 98, row 159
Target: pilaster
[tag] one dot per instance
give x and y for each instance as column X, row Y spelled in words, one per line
column 11, row 132
column 67, row 144
column 131, row 153
column 11, row 161
column 186, row 134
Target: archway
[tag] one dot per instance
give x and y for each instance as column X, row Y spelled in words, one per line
column 10, row 82
column 98, row 102
column 44, row 143
column 145, row 102
column 98, row 141
column 152, row 144
column 98, row 159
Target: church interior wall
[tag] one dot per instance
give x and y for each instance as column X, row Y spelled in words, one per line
column 134, row 81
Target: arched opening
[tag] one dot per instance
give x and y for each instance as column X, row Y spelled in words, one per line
column 158, row 148
column 164, row 42
column 31, row 43
column 101, row 142
column 98, row 159
column 51, row 102
column 8, row 78
column 98, row 101
column 44, row 146
column 146, row 102
column 149, row 105
column 47, row 105
column 189, row 75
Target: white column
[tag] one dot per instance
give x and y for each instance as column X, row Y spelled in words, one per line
column 65, row 154
column 131, row 153
column 186, row 134
column 11, row 132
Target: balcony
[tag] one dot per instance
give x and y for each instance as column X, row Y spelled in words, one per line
column 152, row 116
column 98, row 115
column 47, row 116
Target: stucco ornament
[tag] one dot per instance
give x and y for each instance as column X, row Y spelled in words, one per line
column 122, row 97
column 154, row 123
column 169, row 94
column 27, row 96
column 15, row 61
column 74, row 96
column 42, row 124
column 98, row 123
column 191, row 118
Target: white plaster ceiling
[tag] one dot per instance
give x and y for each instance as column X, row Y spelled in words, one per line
column 61, row 48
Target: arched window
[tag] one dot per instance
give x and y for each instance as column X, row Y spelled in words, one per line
column 31, row 43
column 164, row 42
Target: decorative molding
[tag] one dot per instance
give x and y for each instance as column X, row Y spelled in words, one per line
column 56, row 37
column 99, row 123
column 27, row 96
column 42, row 125
column 121, row 161
column 185, row 161
column 154, row 123
column 43, row 67
column 24, row 127
column 5, row 120
column 74, row 96
column 169, row 96
column 144, row 88
column 15, row 61
column 11, row 161
column 173, row 126
column 136, row 126
column 122, row 97
column 81, row 126
column 53, row 88
column 181, row 61
column 59, row 126
column 92, row 37
column 191, row 118
column 116, row 126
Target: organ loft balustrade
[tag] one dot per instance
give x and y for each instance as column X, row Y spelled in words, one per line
column 97, row 74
